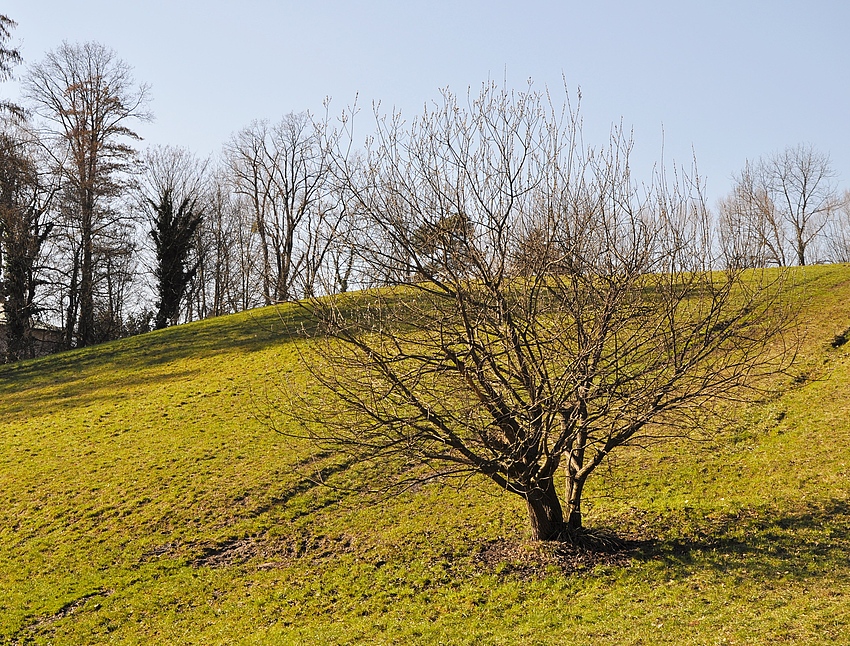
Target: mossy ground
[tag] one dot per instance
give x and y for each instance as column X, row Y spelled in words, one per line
column 144, row 500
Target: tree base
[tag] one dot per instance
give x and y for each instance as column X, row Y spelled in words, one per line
column 536, row 559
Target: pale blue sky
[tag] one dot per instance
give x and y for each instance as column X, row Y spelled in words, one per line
column 729, row 79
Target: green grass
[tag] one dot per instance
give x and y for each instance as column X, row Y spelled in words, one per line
column 143, row 500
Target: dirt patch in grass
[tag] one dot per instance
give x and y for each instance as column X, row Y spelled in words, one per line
column 232, row 552
column 533, row 560
column 272, row 552
column 841, row 338
column 45, row 623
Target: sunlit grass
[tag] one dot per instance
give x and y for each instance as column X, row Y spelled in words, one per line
column 143, row 500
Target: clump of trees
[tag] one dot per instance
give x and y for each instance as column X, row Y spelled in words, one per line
column 98, row 240
column 87, row 100
column 25, row 197
column 130, row 240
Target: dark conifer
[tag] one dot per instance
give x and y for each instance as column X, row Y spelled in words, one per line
column 173, row 234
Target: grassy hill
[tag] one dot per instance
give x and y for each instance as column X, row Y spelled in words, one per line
column 144, row 500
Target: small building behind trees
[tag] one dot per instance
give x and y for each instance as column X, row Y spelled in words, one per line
column 43, row 339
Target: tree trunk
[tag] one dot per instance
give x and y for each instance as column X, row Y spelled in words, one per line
column 545, row 513
column 18, row 307
column 85, row 334
column 574, row 491
column 73, row 303
column 801, row 253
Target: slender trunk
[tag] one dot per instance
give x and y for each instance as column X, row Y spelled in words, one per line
column 73, row 297
column 200, row 290
column 545, row 513
column 86, row 321
column 267, row 269
column 574, row 491
column 88, row 170
column 801, row 252
column 575, row 483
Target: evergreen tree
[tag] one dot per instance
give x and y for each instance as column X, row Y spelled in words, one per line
column 9, row 58
column 173, row 234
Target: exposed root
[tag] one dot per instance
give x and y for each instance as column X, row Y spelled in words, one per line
column 537, row 559
column 596, row 540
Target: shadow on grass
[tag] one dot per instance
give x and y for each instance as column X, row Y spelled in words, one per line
column 765, row 543
column 84, row 393
column 146, row 359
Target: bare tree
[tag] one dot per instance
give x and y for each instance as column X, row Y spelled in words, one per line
column 838, row 232
column 225, row 255
column 211, row 292
column 801, row 181
column 341, row 270
column 25, row 197
column 546, row 311
column 322, row 241
column 116, row 276
column 229, row 275
column 87, row 97
column 752, row 232
column 779, row 207
column 281, row 170
column 175, row 169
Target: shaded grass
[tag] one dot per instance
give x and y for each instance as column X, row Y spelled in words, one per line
column 143, row 501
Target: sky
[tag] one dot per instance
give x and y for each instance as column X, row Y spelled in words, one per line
column 719, row 81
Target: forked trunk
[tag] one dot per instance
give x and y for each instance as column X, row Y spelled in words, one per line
column 545, row 513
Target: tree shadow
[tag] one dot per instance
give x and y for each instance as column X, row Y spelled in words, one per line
column 762, row 543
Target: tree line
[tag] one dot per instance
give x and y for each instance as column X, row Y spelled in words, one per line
column 100, row 239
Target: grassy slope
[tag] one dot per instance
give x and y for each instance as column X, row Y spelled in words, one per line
column 141, row 501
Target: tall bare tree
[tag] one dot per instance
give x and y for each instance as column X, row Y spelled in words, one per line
column 546, row 311
column 227, row 279
column 801, row 179
column 175, row 169
column 88, row 99
column 838, row 232
column 779, row 207
column 752, row 231
column 281, row 172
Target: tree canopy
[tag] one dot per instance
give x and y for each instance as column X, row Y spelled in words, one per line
column 538, row 308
